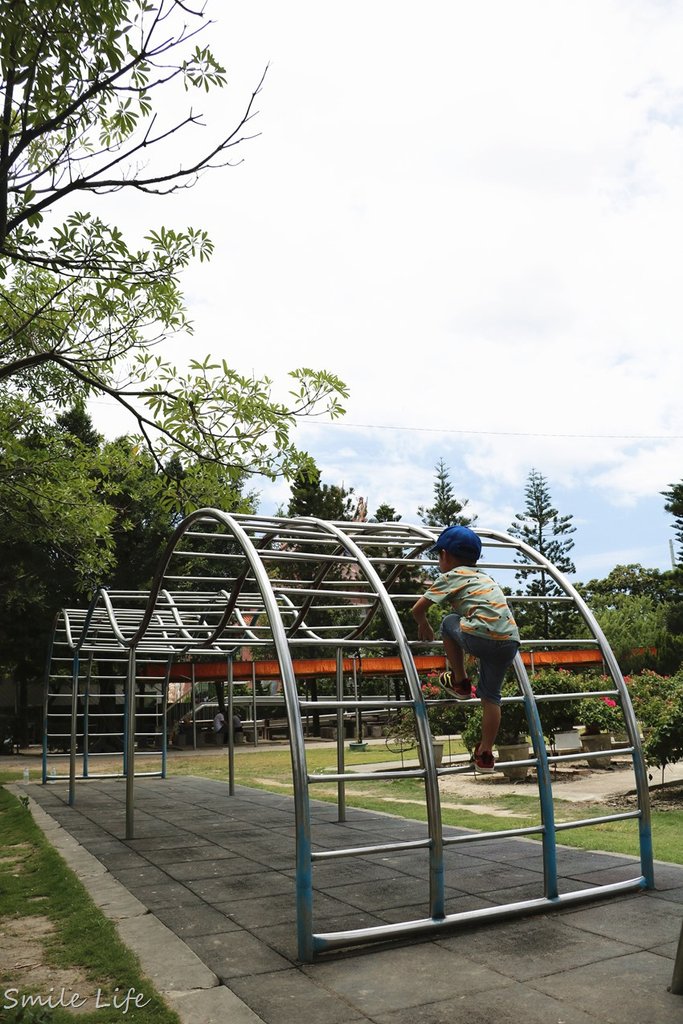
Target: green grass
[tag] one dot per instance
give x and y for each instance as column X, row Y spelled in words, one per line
column 34, row 880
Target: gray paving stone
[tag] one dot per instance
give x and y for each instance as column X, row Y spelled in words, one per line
column 277, row 909
column 168, row 894
column 668, row 895
column 647, row 922
column 111, row 897
column 624, row 990
column 235, row 954
column 667, row 876
column 178, row 840
column 194, row 854
column 510, row 1003
column 667, row 949
column 481, row 877
column 195, row 920
column 381, row 894
column 347, row 870
column 165, row 958
column 532, row 946
column 399, row 978
column 454, row 905
column 211, row 1006
column 289, row 997
column 240, row 887
column 507, row 850
column 283, row 938
column 135, row 877
column 204, row 868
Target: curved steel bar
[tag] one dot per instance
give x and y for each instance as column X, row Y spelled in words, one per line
column 304, row 882
column 640, row 771
column 335, row 940
column 234, row 595
column 545, row 789
column 395, row 572
column 436, row 869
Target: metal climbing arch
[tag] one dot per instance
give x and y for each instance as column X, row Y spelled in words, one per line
column 292, row 587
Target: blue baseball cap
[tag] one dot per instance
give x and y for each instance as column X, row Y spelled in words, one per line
column 458, row 540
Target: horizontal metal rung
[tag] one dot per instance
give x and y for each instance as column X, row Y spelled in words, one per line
column 555, row 697
column 348, row 705
column 483, row 837
column 415, row 773
column 597, row 821
column 584, row 755
column 360, row 851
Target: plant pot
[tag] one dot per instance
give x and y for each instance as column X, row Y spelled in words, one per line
column 513, row 752
column 358, row 745
column 592, row 742
column 567, row 741
column 438, row 754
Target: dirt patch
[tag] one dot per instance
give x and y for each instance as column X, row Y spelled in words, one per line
column 668, row 796
column 25, row 970
column 14, row 857
column 491, row 809
column 275, row 783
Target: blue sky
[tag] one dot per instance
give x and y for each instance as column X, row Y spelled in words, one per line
column 472, row 213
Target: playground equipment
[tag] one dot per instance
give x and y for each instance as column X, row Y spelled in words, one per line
column 286, row 587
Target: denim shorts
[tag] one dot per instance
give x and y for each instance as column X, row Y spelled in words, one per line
column 495, row 656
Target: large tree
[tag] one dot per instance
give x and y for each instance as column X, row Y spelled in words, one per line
column 641, row 613
column 82, row 308
column 674, row 505
column 385, row 513
column 311, row 497
column 447, row 510
column 542, row 527
column 76, row 511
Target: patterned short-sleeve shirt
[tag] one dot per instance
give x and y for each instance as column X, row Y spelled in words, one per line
column 478, row 600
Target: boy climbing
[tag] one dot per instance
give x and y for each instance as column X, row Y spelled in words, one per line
column 482, row 625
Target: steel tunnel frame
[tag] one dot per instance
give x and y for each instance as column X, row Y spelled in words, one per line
column 104, row 627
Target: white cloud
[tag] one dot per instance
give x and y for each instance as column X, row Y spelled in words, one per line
column 471, row 213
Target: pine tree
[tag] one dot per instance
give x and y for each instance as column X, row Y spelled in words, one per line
column 446, row 510
column 674, row 505
column 77, row 422
column 385, row 514
column 542, row 527
column 321, row 501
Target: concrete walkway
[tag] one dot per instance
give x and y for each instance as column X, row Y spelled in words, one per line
column 205, row 897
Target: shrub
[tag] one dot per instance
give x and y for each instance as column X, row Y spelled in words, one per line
column 514, row 725
column 658, row 705
column 557, row 716
column 445, row 718
column 599, row 714
column 471, row 734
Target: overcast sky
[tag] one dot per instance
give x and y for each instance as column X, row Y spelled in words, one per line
column 472, row 213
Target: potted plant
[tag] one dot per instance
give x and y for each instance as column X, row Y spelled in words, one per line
column 599, row 717
column 558, row 717
column 512, row 741
column 445, row 719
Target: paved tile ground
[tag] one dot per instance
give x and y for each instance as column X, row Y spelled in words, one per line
column 216, row 874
